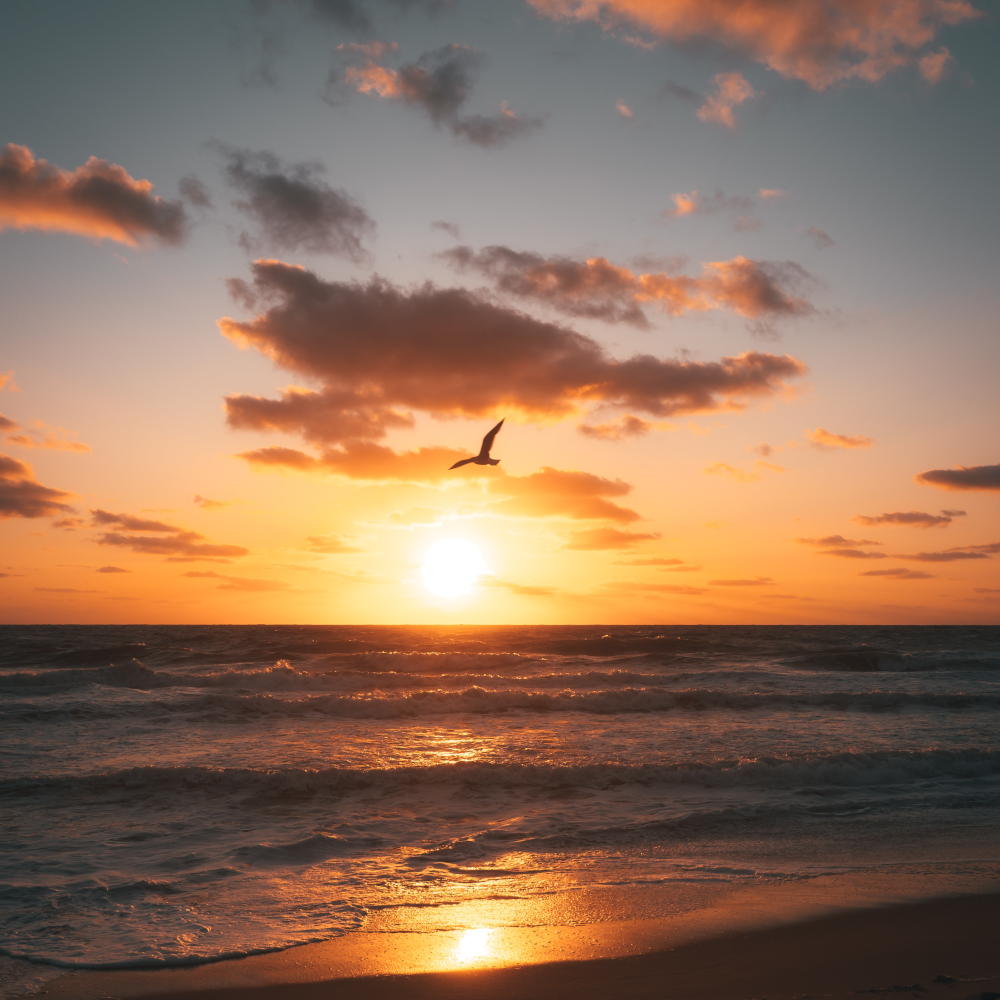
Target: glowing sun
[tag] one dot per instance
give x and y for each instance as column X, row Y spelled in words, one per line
column 452, row 566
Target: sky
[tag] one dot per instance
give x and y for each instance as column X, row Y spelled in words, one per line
column 728, row 273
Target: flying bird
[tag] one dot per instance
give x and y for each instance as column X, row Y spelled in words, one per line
column 483, row 458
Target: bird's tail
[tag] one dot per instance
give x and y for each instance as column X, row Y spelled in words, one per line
column 493, row 461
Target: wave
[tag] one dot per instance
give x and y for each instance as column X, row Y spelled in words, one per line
column 483, row 701
column 867, row 660
column 817, row 771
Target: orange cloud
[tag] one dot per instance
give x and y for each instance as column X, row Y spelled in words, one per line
column 606, row 538
column 965, row 477
column 561, row 493
column 853, row 554
column 899, row 574
column 100, row 200
column 206, row 504
column 742, row 475
column 934, row 65
column 757, row 581
column 241, row 583
column 820, row 42
column 823, row 438
column 40, row 436
column 731, row 90
column 329, row 545
column 624, row 110
column 22, row 496
column 833, row 541
column 597, row 289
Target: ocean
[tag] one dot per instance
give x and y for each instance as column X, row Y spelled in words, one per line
column 174, row 795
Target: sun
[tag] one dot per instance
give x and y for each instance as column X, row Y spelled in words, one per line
column 452, row 566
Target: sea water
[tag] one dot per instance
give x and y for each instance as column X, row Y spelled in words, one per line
column 173, row 795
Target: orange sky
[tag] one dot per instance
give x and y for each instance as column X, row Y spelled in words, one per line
column 743, row 342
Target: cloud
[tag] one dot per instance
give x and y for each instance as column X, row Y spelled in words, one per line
column 769, row 194
column 660, row 561
column 757, row 581
column 623, row 109
column 852, row 554
column 620, row 586
column 992, row 548
column 731, row 90
column 899, row 574
column 22, row 496
column 38, row 435
column 934, row 65
column 206, row 504
column 448, row 228
column 294, row 208
column 965, row 477
column 606, row 538
column 628, row 426
column 820, row 43
column 519, row 589
column 822, row 240
column 439, row 83
column 241, row 583
column 100, row 200
column 7, row 382
column 380, row 350
column 833, row 541
column 112, row 569
column 951, row 555
column 65, row 590
column 912, row 518
column 160, row 539
column 562, row 493
column 194, row 191
column 681, row 92
column 742, row 475
column 739, row 206
column 329, row 545
column 597, row 289
column 826, row 440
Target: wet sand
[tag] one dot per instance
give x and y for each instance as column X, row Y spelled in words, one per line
column 943, row 948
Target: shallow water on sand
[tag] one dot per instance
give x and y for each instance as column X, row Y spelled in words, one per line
column 176, row 794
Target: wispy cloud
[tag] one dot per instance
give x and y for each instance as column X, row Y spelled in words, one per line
column 912, row 518
column 822, row 438
column 160, row 539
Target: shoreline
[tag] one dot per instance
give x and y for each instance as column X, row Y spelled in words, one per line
column 942, row 947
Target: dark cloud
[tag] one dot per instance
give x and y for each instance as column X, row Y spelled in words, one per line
column 853, row 554
column 818, row 43
column 606, row 538
column 912, row 518
column 971, row 477
column 628, row 426
column 112, row 569
column 951, row 555
column 380, row 350
column 439, row 83
column 832, row 541
column 899, row 574
column 991, row 548
column 100, row 200
column 681, row 93
column 597, row 289
column 160, row 539
column 22, row 496
column 194, row 191
column 6, row 424
column 448, row 228
column 821, row 240
column 757, row 581
column 294, row 208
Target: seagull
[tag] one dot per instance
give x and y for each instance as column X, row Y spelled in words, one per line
column 483, row 458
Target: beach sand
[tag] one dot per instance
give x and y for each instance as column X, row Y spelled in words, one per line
column 941, row 948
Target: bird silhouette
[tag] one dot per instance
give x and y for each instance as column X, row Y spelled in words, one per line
column 483, row 458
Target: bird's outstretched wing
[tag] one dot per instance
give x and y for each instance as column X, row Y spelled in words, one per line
column 463, row 461
column 488, row 440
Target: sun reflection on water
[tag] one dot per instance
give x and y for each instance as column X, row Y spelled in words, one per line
column 474, row 945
